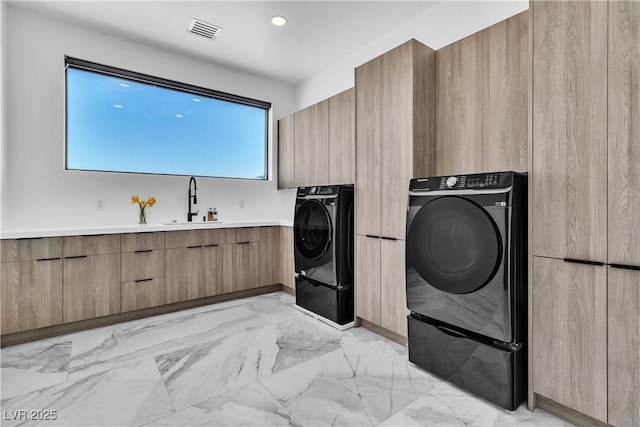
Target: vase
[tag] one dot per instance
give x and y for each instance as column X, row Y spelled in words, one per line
column 142, row 220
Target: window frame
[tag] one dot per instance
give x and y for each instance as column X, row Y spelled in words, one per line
column 110, row 71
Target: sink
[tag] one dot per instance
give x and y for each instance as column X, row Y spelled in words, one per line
column 192, row 223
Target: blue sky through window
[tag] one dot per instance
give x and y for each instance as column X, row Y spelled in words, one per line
column 119, row 125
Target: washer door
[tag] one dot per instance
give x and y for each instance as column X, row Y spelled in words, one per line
column 312, row 229
column 454, row 245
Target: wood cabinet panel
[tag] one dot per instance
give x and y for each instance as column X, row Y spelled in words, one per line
column 393, row 299
column 624, row 132
column 14, row 250
column 269, row 255
column 31, row 293
column 286, row 149
column 248, row 234
column 131, row 242
column 303, row 153
column 367, row 256
column 287, row 271
column 320, row 143
column 144, row 293
column 183, row 239
column 396, row 131
column 142, row 265
column 342, row 138
column 569, row 176
column 459, row 107
column 368, row 156
column 218, row 270
column 91, row 287
column 505, row 86
column 220, row 236
column 247, row 264
column 570, row 334
column 624, row 347
column 91, row 245
column 183, row 272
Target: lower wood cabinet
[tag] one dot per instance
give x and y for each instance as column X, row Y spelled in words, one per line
column 269, row 255
column 142, row 293
column 380, row 282
column 219, row 275
column 183, row 273
column 91, row 286
column 624, row 347
column 31, row 294
column 570, row 334
column 287, row 272
column 247, row 265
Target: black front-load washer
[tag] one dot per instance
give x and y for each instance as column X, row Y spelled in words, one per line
column 323, row 251
column 466, row 271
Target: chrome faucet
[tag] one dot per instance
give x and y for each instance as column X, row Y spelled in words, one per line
column 190, row 214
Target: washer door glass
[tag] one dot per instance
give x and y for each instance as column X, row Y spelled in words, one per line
column 454, row 245
column 312, row 229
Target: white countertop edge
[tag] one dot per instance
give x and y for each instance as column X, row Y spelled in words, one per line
column 35, row 233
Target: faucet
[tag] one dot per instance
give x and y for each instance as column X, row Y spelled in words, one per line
column 190, row 214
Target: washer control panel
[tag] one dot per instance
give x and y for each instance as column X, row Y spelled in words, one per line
column 479, row 181
column 328, row 190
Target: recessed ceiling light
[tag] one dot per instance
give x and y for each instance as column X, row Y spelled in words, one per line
column 196, row 100
column 179, row 116
column 278, row 20
column 117, row 105
column 124, row 85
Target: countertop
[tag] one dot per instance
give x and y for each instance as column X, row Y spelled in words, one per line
column 35, row 233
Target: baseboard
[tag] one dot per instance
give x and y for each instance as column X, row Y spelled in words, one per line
column 82, row 325
column 566, row 413
column 381, row 331
column 288, row 290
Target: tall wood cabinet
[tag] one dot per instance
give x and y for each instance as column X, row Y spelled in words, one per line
column 482, row 100
column 586, row 195
column 286, row 146
column 31, row 281
column 395, row 118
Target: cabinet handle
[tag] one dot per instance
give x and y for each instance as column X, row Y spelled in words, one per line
column 582, row 261
column 625, row 267
column 30, row 238
column 194, row 247
column 243, row 243
column 142, row 280
column 372, row 236
column 210, row 246
column 48, row 259
column 142, row 251
column 75, row 257
column 388, row 238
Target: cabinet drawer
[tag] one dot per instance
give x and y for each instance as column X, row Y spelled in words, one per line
column 183, row 239
column 148, row 264
column 91, row 245
column 248, row 234
column 132, row 242
column 31, row 249
column 142, row 294
column 219, row 237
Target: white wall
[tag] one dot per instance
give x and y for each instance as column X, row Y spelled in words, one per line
column 437, row 26
column 37, row 193
column 3, row 51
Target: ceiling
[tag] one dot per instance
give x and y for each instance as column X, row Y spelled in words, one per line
column 317, row 33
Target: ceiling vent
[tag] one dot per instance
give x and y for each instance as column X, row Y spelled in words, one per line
column 203, row 29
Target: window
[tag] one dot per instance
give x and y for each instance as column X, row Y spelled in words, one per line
column 121, row 121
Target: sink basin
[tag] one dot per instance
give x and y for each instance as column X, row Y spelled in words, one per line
column 193, row 223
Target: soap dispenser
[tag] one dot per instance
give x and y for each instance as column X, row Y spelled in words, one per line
column 210, row 216
column 215, row 214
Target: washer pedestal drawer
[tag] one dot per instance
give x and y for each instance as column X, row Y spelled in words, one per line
column 496, row 374
column 327, row 301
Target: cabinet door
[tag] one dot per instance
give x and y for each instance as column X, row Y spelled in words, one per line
column 570, row 130
column 91, row 245
column 342, row 138
column 570, row 334
column 31, row 294
column 142, row 293
column 624, row 132
column 91, row 287
column 367, row 289
column 247, row 265
column 459, row 107
column 367, row 190
column 506, row 70
column 303, row 152
column 218, row 269
column 183, row 273
column 396, row 147
column 269, row 255
column 286, row 159
column 139, row 265
column 30, row 249
column 287, row 265
column 624, row 347
column 320, row 143
column 393, row 291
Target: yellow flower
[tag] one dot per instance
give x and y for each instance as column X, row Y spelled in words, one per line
column 143, row 204
column 134, row 199
column 151, row 201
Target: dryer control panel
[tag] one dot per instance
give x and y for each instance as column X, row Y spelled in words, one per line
column 327, row 190
column 479, row 181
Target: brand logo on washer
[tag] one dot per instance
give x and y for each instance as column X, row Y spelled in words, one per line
column 423, row 180
column 502, row 204
column 304, row 273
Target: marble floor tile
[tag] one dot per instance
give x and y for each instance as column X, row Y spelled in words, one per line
column 447, row 405
column 33, row 366
column 250, row 405
column 275, row 307
column 125, row 396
